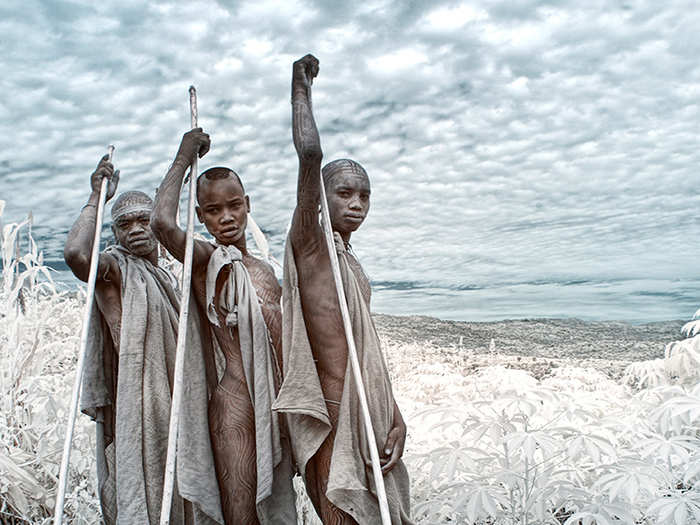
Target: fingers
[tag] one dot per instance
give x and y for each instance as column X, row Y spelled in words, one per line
column 306, row 68
column 390, row 442
column 204, row 145
column 105, row 158
column 198, row 141
column 388, row 463
column 105, row 170
column 112, row 186
column 391, row 452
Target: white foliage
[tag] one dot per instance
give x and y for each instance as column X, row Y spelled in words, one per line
column 491, row 445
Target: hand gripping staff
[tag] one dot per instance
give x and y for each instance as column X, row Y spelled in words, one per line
column 169, row 481
column 352, row 355
column 90, row 300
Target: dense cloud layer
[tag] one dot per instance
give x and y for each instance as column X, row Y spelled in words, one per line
column 507, row 142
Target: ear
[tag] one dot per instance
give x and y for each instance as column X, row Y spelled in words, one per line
column 247, row 203
column 114, row 231
column 199, row 214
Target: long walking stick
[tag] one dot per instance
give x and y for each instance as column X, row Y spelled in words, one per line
column 352, row 355
column 92, row 278
column 169, row 481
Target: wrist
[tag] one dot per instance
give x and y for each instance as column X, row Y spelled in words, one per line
column 182, row 159
column 299, row 90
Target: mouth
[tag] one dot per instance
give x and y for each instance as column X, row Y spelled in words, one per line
column 229, row 232
column 138, row 240
column 354, row 218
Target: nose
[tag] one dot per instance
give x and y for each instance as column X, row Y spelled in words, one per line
column 355, row 203
column 137, row 229
column 226, row 217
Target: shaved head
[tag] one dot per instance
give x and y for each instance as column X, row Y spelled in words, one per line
column 217, row 173
column 341, row 166
column 130, row 202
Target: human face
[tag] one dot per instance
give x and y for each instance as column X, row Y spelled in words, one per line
column 348, row 200
column 133, row 232
column 223, row 208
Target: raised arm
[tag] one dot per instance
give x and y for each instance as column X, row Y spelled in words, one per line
column 78, row 248
column 164, row 216
column 305, row 226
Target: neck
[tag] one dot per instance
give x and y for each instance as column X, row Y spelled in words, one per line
column 345, row 236
column 152, row 257
column 241, row 245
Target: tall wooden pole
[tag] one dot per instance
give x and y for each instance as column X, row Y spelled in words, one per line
column 92, row 278
column 169, row 480
column 354, row 361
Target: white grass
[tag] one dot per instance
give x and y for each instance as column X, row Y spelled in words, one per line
column 495, row 445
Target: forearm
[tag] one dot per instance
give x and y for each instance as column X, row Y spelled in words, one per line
column 308, row 146
column 398, row 418
column 81, row 237
column 165, row 207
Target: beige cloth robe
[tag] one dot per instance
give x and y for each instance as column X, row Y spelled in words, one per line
column 128, row 392
column 350, row 481
column 238, row 301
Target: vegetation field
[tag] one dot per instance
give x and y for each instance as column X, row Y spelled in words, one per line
column 509, row 423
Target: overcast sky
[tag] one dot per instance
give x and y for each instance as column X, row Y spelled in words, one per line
column 506, row 141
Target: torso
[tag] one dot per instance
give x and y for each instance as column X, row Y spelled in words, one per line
column 324, row 323
column 269, row 293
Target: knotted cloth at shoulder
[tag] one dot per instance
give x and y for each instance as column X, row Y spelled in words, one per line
column 238, row 302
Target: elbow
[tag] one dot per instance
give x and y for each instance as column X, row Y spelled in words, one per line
column 311, row 153
column 77, row 261
column 159, row 224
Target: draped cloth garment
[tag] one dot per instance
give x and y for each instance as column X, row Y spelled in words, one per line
column 238, row 302
column 350, row 480
column 128, row 392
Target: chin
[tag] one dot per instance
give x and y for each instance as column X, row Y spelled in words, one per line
column 143, row 250
column 228, row 241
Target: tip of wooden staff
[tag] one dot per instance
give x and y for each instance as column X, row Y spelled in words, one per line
column 192, row 89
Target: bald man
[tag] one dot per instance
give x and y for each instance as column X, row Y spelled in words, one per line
column 318, row 393
column 238, row 294
column 129, row 369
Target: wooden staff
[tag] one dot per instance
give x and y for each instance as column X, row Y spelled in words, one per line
column 169, row 480
column 92, row 278
column 354, row 361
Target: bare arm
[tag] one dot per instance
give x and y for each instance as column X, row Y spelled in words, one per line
column 305, row 226
column 164, row 216
column 78, row 249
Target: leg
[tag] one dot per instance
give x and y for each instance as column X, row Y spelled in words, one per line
column 232, row 429
column 317, row 470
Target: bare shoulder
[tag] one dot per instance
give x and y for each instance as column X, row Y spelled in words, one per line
column 259, row 268
column 108, row 272
column 200, row 259
column 202, row 253
column 108, row 288
column 264, row 279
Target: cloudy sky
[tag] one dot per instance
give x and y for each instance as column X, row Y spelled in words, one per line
column 527, row 158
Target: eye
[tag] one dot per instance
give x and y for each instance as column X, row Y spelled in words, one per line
column 344, row 194
column 211, row 210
